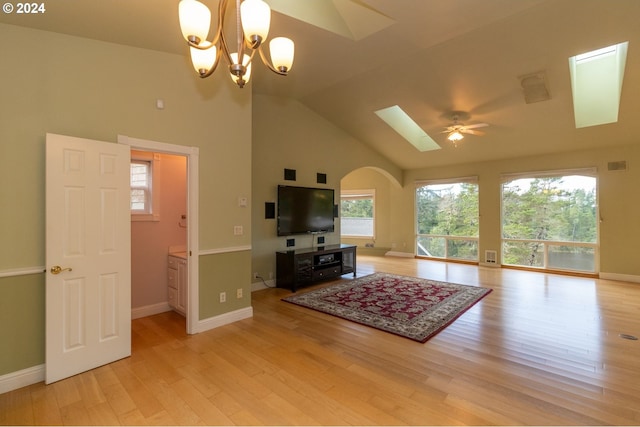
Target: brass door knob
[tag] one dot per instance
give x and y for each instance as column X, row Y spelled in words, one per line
column 56, row 269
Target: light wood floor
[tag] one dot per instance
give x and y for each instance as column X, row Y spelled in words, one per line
column 540, row 349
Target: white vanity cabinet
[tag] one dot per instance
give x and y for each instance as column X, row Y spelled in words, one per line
column 177, row 280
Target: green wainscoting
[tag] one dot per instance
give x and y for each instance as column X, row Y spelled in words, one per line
column 224, row 272
column 22, row 324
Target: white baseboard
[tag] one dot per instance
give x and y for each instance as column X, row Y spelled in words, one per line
column 399, row 254
column 149, row 310
column 620, row 277
column 224, row 319
column 258, row 286
column 23, row 378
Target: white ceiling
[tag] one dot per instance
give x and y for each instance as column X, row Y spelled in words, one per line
column 430, row 57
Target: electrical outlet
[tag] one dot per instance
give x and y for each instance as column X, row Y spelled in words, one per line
column 239, row 293
column 256, row 275
column 223, row 297
column 238, row 230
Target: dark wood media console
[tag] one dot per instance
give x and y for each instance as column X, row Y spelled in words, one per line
column 304, row 266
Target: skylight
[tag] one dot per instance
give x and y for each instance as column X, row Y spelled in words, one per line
column 596, row 82
column 407, row 128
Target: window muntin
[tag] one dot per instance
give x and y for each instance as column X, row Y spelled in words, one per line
column 357, row 213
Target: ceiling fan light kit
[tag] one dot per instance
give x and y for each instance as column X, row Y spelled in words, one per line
column 253, row 19
column 455, row 136
column 456, row 130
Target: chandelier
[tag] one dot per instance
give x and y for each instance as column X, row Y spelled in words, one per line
column 253, row 18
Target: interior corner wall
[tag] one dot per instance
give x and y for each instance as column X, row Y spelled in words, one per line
column 288, row 135
column 90, row 89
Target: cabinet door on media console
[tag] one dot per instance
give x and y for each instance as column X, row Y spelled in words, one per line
column 303, row 269
column 349, row 261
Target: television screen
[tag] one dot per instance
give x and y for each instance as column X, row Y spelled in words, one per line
column 304, row 210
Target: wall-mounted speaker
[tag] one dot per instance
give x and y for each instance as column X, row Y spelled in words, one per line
column 336, row 211
column 290, row 174
column 269, row 210
column 321, row 178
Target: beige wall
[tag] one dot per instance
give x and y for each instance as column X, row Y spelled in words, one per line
column 372, row 179
column 288, row 135
column 67, row 85
column 618, row 204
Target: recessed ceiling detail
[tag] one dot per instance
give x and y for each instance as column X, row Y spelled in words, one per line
column 352, row 19
column 596, row 83
column 400, row 121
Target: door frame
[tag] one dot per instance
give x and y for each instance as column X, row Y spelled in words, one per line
column 192, row 155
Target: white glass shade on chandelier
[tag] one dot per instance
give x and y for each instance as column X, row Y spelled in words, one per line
column 253, row 19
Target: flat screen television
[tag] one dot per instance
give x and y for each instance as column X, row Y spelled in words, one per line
column 303, row 210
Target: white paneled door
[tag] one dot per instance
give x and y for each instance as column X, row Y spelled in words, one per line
column 88, row 255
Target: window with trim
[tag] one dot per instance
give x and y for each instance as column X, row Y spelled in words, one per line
column 357, row 213
column 447, row 219
column 144, row 193
column 141, row 186
column 550, row 220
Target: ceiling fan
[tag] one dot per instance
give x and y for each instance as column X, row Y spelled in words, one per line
column 456, row 130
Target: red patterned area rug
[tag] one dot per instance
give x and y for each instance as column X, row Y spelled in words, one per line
column 407, row 306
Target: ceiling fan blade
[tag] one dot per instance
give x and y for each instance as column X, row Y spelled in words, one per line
column 472, row 132
column 477, row 125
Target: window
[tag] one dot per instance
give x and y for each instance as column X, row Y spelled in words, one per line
column 141, row 186
column 357, row 213
column 549, row 221
column 447, row 219
column 145, row 204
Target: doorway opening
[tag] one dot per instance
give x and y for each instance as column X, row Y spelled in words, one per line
column 186, row 221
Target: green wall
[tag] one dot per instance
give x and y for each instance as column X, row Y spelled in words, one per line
column 286, row 134
column 21, row 322
column 220, row 273
column 90, row 89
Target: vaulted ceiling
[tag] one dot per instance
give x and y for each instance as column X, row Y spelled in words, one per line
column 430, row 57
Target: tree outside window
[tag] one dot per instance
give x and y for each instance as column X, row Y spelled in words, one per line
column 357, row 213
column 541, row 213
column 447, row 220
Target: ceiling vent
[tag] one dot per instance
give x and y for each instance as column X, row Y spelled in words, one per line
column 534, row 87
column 617, row 166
